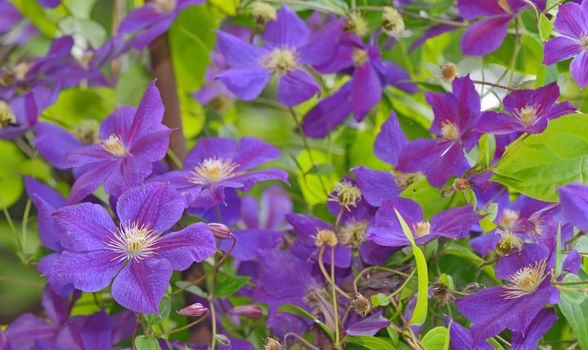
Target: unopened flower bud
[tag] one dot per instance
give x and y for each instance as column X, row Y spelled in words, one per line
column 263, row 12
column 449, row 71
column 326, row 237
column 392, row 22
column 250, row 311
column 222, row 339
column 471, row 288
column 361, row 304
column 220, row 231
column 355, row 24
column 194, row 310
column 272, row 344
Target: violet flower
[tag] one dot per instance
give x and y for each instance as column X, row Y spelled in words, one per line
column 216, row 164
column 153, row 19
column 530, row 111
column 289, row 45
column 486, row 35
column 457, row 115
column 369, row 76
column 452, row 223
column 137, row 253
column 571, row 23
column 22, row 112
column 574, row 205
column 131, row 140
column 517, row 303
column 63, row 331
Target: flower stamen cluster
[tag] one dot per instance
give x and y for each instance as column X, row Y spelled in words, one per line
column 526, row 280
column 133, row 241
column 114, row 145
column 212, row 170
column 7, row 117
column 356, row 24
column 359, row 57
column 421, row 228
column 392, row 24
column 353, row 233
column 280, row 61
column 346, row 194
column 527, row 114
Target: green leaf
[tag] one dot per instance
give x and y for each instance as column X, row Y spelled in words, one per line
column 36, row 14
column 576, row 315
column 194, row 289
column 540, row 164
column 164, row 310
column 487, row 146
column 321, row 169
column 441, row 7
column 75, row 105
column 545, row 27
column 315, row 187
column 229, row 285
column 380, row 299
column 144, row 342
column 487, row 225
column 455, row 249
column 372, row 343
column 11, row 185
column 298, row 311
column 87, row 28
column 436, row 339
column 419, row 315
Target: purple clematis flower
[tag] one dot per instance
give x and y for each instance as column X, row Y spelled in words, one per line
column 264, row 222
column 452, row 223
column 215, row 164
column 137, row 253
column 516, row 304
column 457, row 115
column 369, row 76
column 62, row 331
column 530, row 111
column 574, row 205
column 153, row 19
column 289, row 45
column 571, row 23
column 22, row 112
column 131, row 140
column 487, row 35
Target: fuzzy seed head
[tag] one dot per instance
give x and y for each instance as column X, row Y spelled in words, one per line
column 356, row 24
column 212, row 170
column 526, row 280
column 449, row 71
column 461, row 184
column 353, row 233
column 272, row 344
column 263, row 12
column 508, row 243
column 392, row 22
column 449, row 130
column 280, row 60
column 114, row 145
column 7, row 117
column 442, row 294
column 346, row 194
column 326, row 237
column 361, row 305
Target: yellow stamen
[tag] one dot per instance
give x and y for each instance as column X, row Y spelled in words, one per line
column 212, row 170
column 526, row 280
column 114, row 145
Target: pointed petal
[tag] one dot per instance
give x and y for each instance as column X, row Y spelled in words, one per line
column 252, row 152
column 570, row 20
column 579, row 69
column 246, row 83
column 86, row 271
column 471, row 9
column 237, row 52
column 328, row 114
column 376, row 186
column 126, row 173
column 366, row 90
column 90, row 181
column 54, row 143
column 296, row 87
column 191, row 244
column 84, row 227
column 390, row 141
column 574, row 205
column 485, row 36
column 140, row 286
column 288, row 30
column 322, row 45
column 560, row 49
column 455, row 223
column 156, row 204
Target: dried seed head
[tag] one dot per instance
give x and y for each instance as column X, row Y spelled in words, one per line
column 356, row 24
column 353, row 233
column 361, row 304
column 272, row 344
column 508, row 243
column 326, row 237
column 392, row 22
column 442, row 294
column 194, row 310
column 263, row 12
column 449, row 71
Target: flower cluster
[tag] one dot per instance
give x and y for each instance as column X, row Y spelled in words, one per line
column 320, row 174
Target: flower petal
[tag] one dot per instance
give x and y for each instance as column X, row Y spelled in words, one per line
column 570, row 20
column 191, row 244
column 296, row 87
column 390, row 141
column 86, row 271
column 252, row 152
column 237, row 52
column 288, row 30
column 155, row 204
column 579, row 69
column 140, row 286
column 485, row 36
column 560, row 49
column 84, row 227
column 328, row 114
column 246, row 83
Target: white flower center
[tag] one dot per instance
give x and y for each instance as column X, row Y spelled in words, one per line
column 113, row 145
column 212, row 170
column 133, row 241
column 280, row 61
column 7, row 117
column 164, row 6
column 449, row 130
column 421, row 228
column 526, row 280
column 527, row 114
